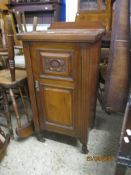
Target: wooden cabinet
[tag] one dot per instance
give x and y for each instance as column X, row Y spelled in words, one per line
column 62, row 68
column 47, row 11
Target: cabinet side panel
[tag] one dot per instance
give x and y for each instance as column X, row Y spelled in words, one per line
column 30, row 78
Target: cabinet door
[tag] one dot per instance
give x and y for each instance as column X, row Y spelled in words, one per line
column 57, row 76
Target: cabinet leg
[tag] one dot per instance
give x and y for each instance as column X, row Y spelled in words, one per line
column 120, row 170
column 84, row 141
column 84, row 149
column 40, row 137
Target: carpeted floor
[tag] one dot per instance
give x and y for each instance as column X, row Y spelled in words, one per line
column 61, row 155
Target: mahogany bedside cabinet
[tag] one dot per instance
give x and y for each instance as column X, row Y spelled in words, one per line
column 62, row 69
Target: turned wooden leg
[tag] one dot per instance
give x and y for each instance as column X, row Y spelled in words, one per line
column 15, row 107
column 84, row 141
column 84, row 149
column 40, row 137
column 7, row 113
column 24, row 106
column 100, row 100
column 120, row 170
column 26, row 89
column 84, row 145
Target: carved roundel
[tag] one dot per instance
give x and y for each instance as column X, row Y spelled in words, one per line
column 55, row 64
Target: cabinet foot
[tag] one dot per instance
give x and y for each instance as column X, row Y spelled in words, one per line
column 84, row 149
column 40, row 137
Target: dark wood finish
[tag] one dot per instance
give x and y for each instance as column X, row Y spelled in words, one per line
column 76, row 25
column 124, row 152
column 62, row 69
column 118, row 71
column 46, row 11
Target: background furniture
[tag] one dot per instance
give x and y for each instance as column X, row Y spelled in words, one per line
column 118, row 71
column 97, row 10
column 21, row 22
column 62, row 69
column 124, row 152
column 12, row 80
column 18, row 48
column 46, row 11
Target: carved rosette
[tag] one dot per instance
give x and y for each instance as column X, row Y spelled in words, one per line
column 55, row 65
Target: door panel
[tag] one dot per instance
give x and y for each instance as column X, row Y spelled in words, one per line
column 58, row 106
column 55, row 64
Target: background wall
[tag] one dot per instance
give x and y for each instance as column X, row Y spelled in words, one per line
column 71, row 9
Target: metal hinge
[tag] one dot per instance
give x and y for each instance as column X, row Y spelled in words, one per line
column 37, row 86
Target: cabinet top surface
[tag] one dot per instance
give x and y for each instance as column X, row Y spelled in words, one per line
column 63, row 35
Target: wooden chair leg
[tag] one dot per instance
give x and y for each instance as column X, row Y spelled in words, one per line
column 24, row 105
column 100, row 97
column 24, row 130
column 26, row 90
column 100, row 100
column 15, row 107
column 7, row 113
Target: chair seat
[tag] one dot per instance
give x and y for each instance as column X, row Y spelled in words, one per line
column 5, row 78
column 3, row 53
column 20, row 61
